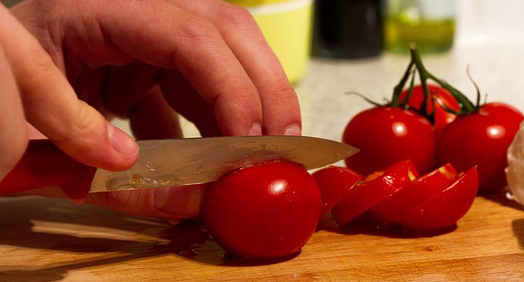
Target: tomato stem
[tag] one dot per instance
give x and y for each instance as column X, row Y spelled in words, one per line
column 398, row 88
column 466, row 105
column 365, row 98
column 404, row 103
column 476, row 86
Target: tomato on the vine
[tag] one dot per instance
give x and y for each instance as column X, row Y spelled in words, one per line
column 481, row 138
column 386, row 135
column 263, row 211
column 438, row 97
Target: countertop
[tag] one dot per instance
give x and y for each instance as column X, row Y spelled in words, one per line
column 45, row 240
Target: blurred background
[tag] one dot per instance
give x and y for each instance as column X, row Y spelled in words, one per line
column 365, row 28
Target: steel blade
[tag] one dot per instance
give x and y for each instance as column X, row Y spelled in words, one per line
column 174, row 162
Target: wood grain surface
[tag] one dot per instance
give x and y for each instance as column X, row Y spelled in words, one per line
column 52, row 240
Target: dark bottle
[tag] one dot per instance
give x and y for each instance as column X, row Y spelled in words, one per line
column 348, row 28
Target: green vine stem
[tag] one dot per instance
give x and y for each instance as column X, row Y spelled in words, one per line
column 400, row 86
column 466, row 105
column 404, row 103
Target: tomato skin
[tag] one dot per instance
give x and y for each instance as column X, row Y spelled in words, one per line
column 264, row 211
column 372, row 191
column 481, row 138
column 440, row 96
column 413, row 194
column 386, row 135
column 446, row 208
column 334, row 182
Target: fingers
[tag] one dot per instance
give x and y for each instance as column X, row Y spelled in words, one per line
column 280, row 105
column 51, row 105
column 153, row 118
column 167, row 202
column 13, row 133
column 185, row 100
column 127, row 86
column 192, row 45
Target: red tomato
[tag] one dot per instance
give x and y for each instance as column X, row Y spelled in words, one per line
column 414, row 193
column 446, row 208
column 375, row 189
column 438, row 96
column 387, row 135
column 263, row 211
column 334, row 182
column 481, row 138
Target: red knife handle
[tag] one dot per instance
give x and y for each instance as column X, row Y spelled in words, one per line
column 42, row 165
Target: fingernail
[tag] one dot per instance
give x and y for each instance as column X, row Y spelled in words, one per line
column 293, row 129
column 256, row 129
column 182, row 201
column 121, row 142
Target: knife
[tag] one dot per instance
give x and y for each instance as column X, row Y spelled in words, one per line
column 167, row 162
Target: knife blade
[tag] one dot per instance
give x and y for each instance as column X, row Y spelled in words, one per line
column 167, row 162
column 176, row 162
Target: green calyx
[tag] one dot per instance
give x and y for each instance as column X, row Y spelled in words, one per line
column 416, row 66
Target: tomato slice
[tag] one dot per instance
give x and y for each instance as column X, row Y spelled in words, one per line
column 446, row 208
column 334, row 182
column 415, row 192
column 372, row 191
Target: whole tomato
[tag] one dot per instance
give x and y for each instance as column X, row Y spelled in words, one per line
column 481, row 138
column 263, row 211
column 438, row 96
column 386, row 135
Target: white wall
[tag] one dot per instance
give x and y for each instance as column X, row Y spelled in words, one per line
column 489, row 22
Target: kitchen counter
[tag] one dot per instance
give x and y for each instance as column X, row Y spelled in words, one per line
column 51, row 239
column 48, row 240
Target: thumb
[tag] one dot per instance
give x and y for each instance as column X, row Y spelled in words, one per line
column 51, row 105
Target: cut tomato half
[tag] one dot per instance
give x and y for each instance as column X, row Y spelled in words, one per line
column 334, row 182
column 446, row 208
column 373, row 190
column 414, row 193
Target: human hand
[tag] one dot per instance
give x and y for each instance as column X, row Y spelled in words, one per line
column 145, row 59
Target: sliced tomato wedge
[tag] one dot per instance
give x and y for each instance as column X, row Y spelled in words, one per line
column 446, row 208
column 334, row 182
column 414, row 193
column 372, row 191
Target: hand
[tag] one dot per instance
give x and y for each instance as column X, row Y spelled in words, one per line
column 145, row 60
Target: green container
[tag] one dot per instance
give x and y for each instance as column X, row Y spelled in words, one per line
column 428, row 23
column 286, row 25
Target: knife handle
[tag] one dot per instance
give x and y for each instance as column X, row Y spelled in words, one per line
column 43, row 164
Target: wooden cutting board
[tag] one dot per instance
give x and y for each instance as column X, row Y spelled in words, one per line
column 49, row 240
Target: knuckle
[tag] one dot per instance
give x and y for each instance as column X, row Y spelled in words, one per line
column 87, row 121
column 84, row 129
column 41, row 66
column 285, row 93
column 235, row 16
column 198, row 29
